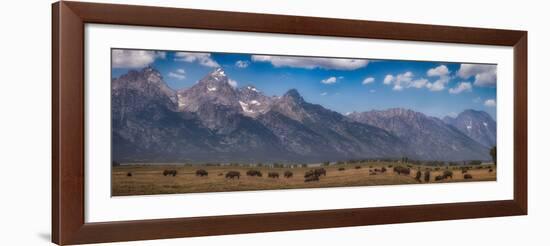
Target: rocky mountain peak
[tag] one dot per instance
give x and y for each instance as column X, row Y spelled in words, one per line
column 293, row 95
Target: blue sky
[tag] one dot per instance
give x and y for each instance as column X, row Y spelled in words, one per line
column 340, row 84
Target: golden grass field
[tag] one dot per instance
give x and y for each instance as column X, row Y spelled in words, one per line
column 149, row 179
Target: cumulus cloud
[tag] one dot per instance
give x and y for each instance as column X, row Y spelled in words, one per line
column 330, row 80
column 442, row 72
column 134, row 58
column 485, row 75
column 461, row 87
column 203, row 59
column 368, row 80
column 388, row 79
column 439, row 71
column 312, row 62
column 233, row 83
column 242, row 64
column 178, row 74
column 490, row 103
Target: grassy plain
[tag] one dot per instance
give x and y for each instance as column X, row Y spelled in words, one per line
column 147, row 179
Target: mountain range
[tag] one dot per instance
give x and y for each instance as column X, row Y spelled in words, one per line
column 215, row 122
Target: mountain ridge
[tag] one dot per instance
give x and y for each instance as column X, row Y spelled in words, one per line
column 212, row 121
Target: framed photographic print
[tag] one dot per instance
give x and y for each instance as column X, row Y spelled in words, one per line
column 176, row 122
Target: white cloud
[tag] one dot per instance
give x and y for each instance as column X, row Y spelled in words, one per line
column 490, row 103
column 485, row 75
column 368, row 80
column 178, row 74
column 461, row 87
column 443, row 73
column 439, row 71
column 324, row 94
column 388, row 79
column 134, row 58
column 233, row 83
column 329, row 80
column 203, row 59
column 419, row 83
column 312, row 62
column 242, row 64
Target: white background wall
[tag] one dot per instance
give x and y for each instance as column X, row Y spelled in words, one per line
column 25, row 122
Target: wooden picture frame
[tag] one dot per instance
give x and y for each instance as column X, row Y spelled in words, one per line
column 68, row 223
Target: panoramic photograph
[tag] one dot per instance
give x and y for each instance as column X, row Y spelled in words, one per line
column 192, row 122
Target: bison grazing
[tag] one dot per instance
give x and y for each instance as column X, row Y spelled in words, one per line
column 418, row 176
column 129, row 174
column 464, row 170
column 170, row 172
column 288, row 174
column 201, row 172
column 438, row 178
column 447, row 174
column 357, row 167
column 341, row 169
column 320, row 171
column 311, row 178
column 468, row 176
column 273, row 175
column 233, row 174
column 402, row 170
column 490, row 170
column 383, row 170
column 427, row 176
column 254, row 173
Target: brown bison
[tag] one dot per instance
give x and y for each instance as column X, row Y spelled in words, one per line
column 288, row 174
column 253, row 173
column 402, row 170
column 447, row 174
column 129, row 174
column 172, row 173
column 320, row 171
column 438, row 178
column 357, row 167
column 233, row 174
column 273, row 175
column 468, row 176
column 383, row 170
column 220, row 174
column 201, row 172
column 490, row 170
column 427, row 176
column 418, row 176
column 341, row 169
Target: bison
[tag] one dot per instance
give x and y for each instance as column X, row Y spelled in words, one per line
column 288, row 174
column 341, row 169
column 427, row 176
column 129, row 174
column 383, row 170
column 201, row 172
column 468, row 176
column 490, row 170
column 438, row 178
column 320, row 171
column 357, row 167
column 402, row 170
column 233, row 174
column 273, row 175
column 170, row 172
column 254, row 173
column 447, row 174
column 418, row 176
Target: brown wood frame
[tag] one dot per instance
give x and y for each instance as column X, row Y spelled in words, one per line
column 68, row 224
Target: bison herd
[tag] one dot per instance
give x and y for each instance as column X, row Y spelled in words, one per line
column 315, row 174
